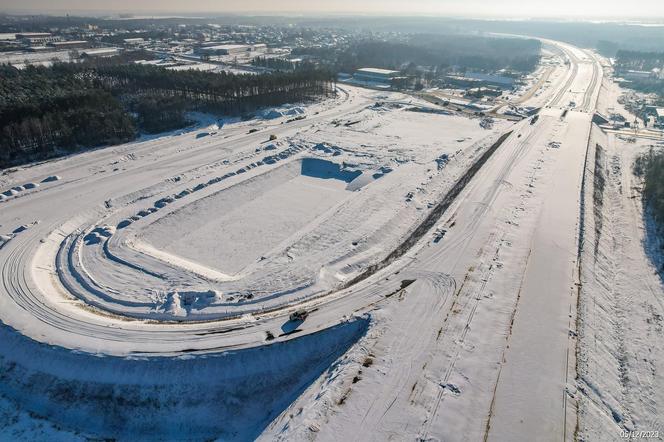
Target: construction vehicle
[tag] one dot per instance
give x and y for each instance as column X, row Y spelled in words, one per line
column 299, row 315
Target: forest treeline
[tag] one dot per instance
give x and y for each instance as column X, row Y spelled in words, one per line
column 650, row 167
column 275, row 63
column 638, row 61
column 48, row 111
column 641, row 61
column 440, row 52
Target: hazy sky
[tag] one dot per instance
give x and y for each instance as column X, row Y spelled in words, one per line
column 506, row 8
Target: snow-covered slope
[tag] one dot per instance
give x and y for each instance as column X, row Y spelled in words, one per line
column 231, row 394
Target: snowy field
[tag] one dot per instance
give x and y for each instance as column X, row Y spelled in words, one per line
column 230, row 229
column 438, row 260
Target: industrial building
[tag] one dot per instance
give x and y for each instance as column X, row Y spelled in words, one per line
column 374, row 75
column 38, row 49
column 225, row 50
column 36, row 38
column 231, row 49
column 480, row 92
column 77, row 44
column 134, row 41
column 99, row 52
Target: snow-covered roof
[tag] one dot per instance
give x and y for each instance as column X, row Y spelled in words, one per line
column 377, row 71
column 227, row 47
column 100, row 51
column 69, row 42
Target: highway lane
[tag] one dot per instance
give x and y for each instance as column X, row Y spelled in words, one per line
column 530, row 395
column 493, row 362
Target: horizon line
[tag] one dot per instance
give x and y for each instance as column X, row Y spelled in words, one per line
column 148, row 13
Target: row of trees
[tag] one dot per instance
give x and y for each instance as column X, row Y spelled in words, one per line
column 221, row 92
column 639, row 61
column 44, row 113
column 440, row 53
column 47, row 111
column 652, row 85
column 278, row 64
column 155, row 114
column 642, row 61
column 650, row 167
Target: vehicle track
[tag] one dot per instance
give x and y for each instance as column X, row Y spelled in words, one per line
column 574, row 64
column 588, row 105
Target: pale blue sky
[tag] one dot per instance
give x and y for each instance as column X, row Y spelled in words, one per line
column 504, row 8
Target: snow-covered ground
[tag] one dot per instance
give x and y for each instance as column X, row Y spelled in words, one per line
column 621, row 299
column 20, row 59
column 229, row 394
column 94, row 239
column 438, row 257
column 259, row 224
